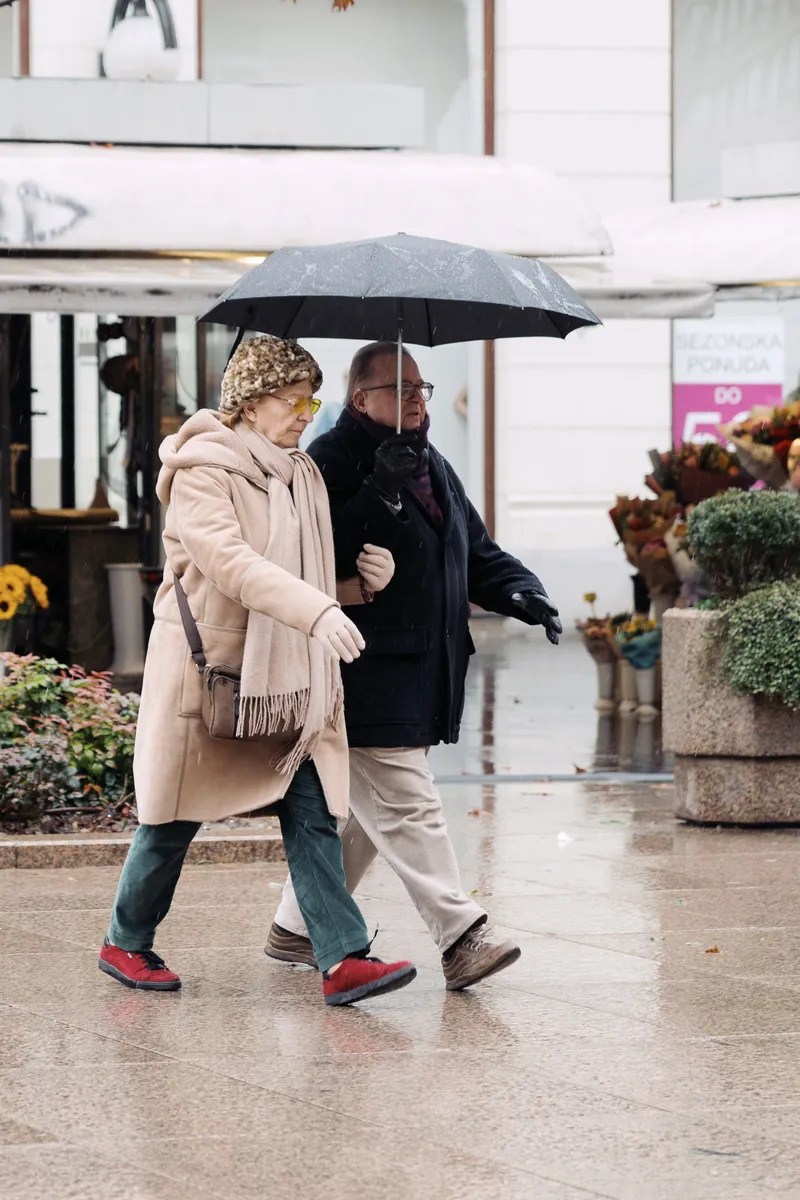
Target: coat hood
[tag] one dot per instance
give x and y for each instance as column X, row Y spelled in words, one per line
column 203, row 441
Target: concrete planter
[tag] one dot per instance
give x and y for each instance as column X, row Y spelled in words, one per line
column 737, row 757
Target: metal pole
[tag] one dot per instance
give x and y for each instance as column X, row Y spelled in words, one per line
column 5, row 440
column 400, row 370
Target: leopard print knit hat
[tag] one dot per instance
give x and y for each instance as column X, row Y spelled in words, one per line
column 263, row 365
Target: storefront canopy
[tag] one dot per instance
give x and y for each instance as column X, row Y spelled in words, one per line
column 123, row 200
column 171, row 286
column 727, row 242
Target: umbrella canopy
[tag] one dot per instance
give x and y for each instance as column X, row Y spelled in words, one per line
column 422, row 290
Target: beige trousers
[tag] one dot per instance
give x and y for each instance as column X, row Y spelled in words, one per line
column 396, row 812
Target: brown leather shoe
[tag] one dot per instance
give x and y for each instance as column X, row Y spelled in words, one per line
column 289, row 947
column 476, row 956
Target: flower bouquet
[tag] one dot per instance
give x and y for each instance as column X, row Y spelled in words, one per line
column 638, row 522
column 677, row 544
column 21, row 594
column 599, row 637
column 764, row 441
column 695, row 472
column 640, row 646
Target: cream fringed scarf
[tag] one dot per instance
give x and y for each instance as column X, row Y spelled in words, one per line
column 289, row 683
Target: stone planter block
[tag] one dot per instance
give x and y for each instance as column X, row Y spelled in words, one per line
column 738, row 791
column 701, row 714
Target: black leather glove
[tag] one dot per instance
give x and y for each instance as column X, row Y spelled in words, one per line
column 540, row 610
column 397, row 460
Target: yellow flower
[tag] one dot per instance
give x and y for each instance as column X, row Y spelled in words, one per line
column 12, row 587
column 39, row 592
column 18, row 572
column 8, row 608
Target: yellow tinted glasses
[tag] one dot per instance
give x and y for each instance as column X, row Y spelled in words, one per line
column 299, row 404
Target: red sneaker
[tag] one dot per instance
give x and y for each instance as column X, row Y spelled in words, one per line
column 138, row 969
column 358, row 978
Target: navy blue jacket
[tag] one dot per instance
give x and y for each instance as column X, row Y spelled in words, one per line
column 407, row 689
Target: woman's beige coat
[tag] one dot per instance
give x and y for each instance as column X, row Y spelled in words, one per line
column 216, row 531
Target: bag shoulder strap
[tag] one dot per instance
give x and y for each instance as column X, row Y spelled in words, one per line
column 190, row 627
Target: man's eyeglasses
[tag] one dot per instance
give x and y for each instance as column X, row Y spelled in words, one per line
column 408, row 390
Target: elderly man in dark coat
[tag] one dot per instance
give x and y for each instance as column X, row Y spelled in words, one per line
column 406, row 692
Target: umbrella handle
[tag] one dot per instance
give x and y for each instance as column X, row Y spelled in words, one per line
column 237, row 343
column 400, row 370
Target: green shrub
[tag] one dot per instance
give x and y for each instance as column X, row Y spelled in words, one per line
column 744, row 540
column 66, row 738
column 36, row 776
column 761, row 643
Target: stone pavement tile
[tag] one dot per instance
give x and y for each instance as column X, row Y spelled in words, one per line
column 204, row 1020
column 13, row 936
column 36, row 982
column 577, row 915
column 72, row 1173
column 94, row 887
column 778, row 1121
column 496, row 1020
column 760, row 869
column 30, row 1040
column 324, row 1156
column 747, row 907
column 760, row 953
column 647, row 1155
column 233, row 925
column 554, row 960
column 471, row 1089
column 689, row 1007
column 688, row 842
column 698, row 1076
column 13, row 1133
column 123, row 1105
column 614, row 877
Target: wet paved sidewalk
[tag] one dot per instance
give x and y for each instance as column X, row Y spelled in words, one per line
column 618, row 1058
column 646, row 1046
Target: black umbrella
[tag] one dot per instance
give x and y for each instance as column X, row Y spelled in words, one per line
column 402, row 288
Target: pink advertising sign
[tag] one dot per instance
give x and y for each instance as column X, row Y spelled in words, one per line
column 722, row 369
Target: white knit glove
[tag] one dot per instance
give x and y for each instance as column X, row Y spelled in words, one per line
column 376, row 567
column 338, row 635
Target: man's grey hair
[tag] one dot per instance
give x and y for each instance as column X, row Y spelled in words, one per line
column 363, row 365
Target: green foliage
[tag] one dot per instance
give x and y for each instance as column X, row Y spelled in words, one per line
column 66, row 738
column 36, row 776
column 761, row 646
column 745, row 540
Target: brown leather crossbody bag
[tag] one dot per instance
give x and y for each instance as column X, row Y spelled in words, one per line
column 221, row 685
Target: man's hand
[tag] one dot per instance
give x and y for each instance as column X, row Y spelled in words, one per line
column 376, row 567
column 397, row 460
column 540, row 610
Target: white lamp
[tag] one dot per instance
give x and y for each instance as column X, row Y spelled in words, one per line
column 139, row 46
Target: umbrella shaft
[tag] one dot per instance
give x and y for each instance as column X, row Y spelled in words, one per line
column 400, row 373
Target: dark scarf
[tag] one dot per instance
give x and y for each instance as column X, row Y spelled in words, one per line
column 421, row 485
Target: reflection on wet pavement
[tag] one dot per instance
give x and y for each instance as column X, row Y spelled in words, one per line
column 645, row 1047
column 530, row 711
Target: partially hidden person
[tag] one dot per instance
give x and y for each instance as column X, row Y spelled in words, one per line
column 406, row 692
column 248, row 540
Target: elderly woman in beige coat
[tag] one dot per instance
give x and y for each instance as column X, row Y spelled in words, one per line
column 248, row 539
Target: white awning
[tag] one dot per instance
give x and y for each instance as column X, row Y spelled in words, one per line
column 124, row 200
column 615, row 291
column 727, row 242
column 132, row 287
column 163, row 287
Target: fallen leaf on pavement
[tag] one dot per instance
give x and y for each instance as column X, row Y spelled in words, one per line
column 474, row 812
column 713, row 950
